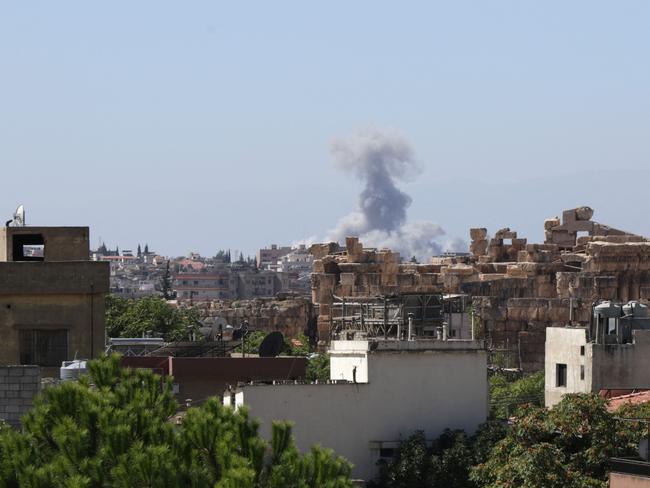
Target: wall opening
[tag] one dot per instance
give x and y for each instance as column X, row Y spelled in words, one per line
column 28, row 247
column 43, row 347
column 560, row 375
column 582, row 372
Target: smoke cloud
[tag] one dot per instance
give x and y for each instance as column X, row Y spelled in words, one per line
column 380, row 158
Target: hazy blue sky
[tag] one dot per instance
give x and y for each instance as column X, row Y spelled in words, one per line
column 202, row 125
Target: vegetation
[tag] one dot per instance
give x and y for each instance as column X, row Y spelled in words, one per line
column 149, row 315
column 567, row 446
column 446, row 462
column 510, row 398
column 166, row 283
column 113, row 428
column 318, row 368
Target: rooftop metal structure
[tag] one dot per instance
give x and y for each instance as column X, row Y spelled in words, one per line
column 424, row 314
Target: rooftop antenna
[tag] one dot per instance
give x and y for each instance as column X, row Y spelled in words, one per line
column 19, row 216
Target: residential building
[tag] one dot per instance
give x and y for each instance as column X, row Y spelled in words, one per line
column 205, row 286
column 297, row 266
column 51, row 297
column 381, row 391
column 267, row 258
column 611, row 354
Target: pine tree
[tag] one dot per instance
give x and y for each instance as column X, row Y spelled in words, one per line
column 166, row 285
column 139, row 251
column 146, row 248
column 112, row 428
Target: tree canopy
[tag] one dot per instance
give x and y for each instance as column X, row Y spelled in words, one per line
column 566, row 446
column 114, row 428
column 136, row 317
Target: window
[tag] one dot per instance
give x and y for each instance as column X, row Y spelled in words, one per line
column 560, row 374
column 28, row 247
column 582, row 350
column 582, row 372
column 386, row 452
column 43, row 347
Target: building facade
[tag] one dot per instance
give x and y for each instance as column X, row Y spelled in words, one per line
column 381, row 392
column 612, row 354
column 51, row 297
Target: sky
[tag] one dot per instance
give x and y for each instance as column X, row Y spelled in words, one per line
column 202, row 125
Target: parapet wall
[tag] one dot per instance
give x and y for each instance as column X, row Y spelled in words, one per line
column 18, row 386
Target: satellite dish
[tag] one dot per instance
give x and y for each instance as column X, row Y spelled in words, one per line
column 19, row 216
column 272, row 345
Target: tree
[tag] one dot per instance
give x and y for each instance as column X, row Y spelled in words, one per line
column 508, row 398
column 567, row 446
column 445, row 463
column 318, row 368
column 139, row 252
column 112, row 428
column 166, row 283
column 146, row 248
column 137, row 317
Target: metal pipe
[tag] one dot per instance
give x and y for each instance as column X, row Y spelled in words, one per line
column 472, row 324
column 410, row 331
column 92, row 320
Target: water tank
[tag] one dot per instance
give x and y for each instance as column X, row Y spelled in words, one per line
column 71, row 370
column 636, row 310
column 607, row 309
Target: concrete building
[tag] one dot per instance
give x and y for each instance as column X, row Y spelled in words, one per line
column 204, row 286
column 381, row 392
column 612, row 354
column 267, row 258
column 51, row 297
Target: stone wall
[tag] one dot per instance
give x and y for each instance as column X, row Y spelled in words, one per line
column 291, row 316
column 18, row 386
column 518, row 288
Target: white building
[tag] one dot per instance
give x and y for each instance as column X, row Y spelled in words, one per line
column 612, row 354
column 381, row 392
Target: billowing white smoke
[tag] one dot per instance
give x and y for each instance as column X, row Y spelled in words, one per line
column 379, row 158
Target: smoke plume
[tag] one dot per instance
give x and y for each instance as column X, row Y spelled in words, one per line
column 380, row 158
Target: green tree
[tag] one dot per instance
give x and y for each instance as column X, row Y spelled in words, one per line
column 166, row 283
column 318, row 368
column 507, row 397
column 444, row 463
column 566, row 446
column 136, row 317
column 113, row 428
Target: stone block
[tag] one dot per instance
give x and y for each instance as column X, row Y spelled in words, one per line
column 584, row 213
column 478, row 248
column 550, row 223
column 478, row 233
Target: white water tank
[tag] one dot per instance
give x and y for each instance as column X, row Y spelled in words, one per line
column 71, row 370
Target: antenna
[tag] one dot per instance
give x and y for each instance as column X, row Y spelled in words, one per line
column 19, row 216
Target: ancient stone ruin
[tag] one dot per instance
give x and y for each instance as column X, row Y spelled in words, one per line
column 517, row 289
